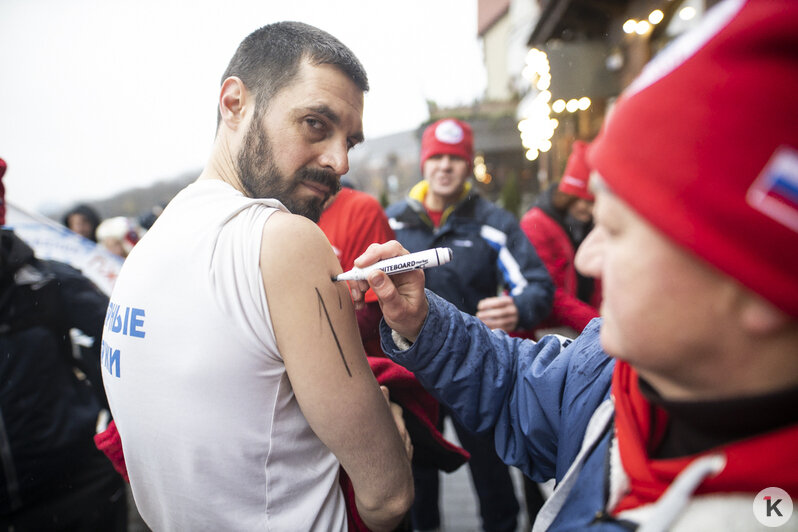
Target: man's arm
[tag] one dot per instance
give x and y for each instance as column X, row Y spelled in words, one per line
column 534, row 397
column 317, row 335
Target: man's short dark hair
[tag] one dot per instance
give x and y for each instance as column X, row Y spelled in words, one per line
column 269, row 58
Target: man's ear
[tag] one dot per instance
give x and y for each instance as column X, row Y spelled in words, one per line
column 234, row 102
column 759, row 316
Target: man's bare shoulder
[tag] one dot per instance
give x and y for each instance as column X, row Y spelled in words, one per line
column 294, row 245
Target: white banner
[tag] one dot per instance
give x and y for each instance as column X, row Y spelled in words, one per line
column 53, row 241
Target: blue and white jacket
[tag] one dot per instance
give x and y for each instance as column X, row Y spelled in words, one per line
column 489, row 252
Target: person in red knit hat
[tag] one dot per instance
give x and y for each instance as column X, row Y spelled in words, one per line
column 678, row 408
column 556, row 225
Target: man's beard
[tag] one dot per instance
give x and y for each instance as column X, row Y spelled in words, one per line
column 261, row 179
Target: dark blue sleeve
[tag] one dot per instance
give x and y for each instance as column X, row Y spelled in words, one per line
column 535, row 398
column 83, row 306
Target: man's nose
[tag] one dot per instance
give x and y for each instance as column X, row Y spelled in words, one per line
column 336, row 157
column 589, row 260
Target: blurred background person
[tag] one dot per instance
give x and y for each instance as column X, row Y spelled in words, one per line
column 118, row 235
column 83, row 220
column 556, row 225
column 51, row 397
column 148, row 217
column 490, row 254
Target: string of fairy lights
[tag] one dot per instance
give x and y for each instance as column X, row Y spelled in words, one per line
column 537, row 123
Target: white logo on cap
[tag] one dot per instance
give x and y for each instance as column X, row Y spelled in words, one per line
column 449, row 132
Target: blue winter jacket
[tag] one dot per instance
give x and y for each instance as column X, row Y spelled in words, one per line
column 489, row 252
column 535, row 398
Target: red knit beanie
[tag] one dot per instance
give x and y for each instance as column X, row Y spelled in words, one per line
column 2, row 193
column 577, row 174
column 448, row 137
column 704, row 145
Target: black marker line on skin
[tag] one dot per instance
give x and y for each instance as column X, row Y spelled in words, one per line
column 335, row 336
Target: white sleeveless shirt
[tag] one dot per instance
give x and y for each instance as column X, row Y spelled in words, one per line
column 212, row 434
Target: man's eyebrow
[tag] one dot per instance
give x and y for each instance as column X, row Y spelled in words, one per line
column 333, row 117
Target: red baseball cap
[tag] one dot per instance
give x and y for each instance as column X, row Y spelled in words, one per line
column 448, row 137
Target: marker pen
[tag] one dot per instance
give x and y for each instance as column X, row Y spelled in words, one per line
column 428, row 258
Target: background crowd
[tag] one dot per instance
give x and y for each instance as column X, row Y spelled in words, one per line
column 499, row 268
column 512, row 276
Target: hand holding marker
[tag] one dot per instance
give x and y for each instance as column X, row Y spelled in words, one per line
column 428, row 258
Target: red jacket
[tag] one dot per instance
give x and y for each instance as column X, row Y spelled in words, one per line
column 353, row 222
column 555, row 249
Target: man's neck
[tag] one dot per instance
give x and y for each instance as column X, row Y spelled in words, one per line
column 740, row 365
column 221, row 166
column 433, row 202
column 696, row 426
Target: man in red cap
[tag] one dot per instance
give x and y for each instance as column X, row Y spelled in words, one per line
column 678, row 408
column 556, row 225
column 490, row 254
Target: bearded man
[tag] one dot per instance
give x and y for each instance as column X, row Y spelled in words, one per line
column 232, row 363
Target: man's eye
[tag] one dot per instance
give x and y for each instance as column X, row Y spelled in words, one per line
column 314, row 123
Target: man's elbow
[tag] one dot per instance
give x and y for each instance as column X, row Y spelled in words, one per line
column 399, row 504
column 386, row 511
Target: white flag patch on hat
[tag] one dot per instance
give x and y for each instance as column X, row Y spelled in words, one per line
column 685, row 46
column 774, row 193
column 449, row 132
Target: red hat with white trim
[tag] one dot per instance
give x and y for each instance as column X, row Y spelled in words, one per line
column 448, row 137
column 704, row 145
column 577, row 174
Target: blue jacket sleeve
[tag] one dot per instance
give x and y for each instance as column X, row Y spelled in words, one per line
column 534, row 398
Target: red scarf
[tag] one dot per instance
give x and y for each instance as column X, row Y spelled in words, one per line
column 752, row 464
